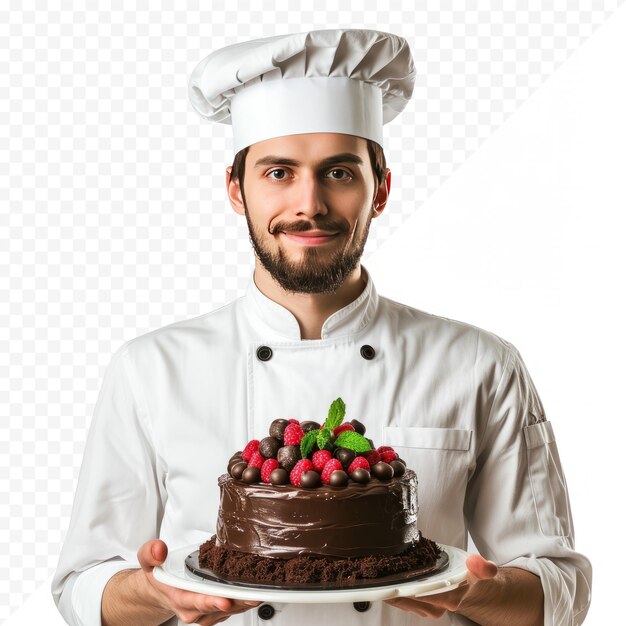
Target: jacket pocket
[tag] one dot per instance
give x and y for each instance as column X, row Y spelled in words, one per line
column 440, row 458
column 547, row 481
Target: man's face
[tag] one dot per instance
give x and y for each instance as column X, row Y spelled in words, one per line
column 308, row 201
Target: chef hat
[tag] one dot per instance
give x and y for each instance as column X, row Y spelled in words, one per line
column 341, row 81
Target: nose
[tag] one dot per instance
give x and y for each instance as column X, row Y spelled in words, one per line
column 310, row 200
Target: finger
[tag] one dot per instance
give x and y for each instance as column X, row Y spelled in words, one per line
column 151, row 554
column 480, row 567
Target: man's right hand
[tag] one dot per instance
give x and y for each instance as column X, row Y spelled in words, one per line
column 136, row 596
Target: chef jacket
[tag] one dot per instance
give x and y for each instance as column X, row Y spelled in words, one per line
column 455, row 401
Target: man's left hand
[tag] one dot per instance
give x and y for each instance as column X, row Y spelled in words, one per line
column 437, row 604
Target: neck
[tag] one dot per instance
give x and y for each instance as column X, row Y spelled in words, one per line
column 310, row 309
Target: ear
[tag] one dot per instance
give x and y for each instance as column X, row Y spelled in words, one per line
column 233, row 189
column 382, row 194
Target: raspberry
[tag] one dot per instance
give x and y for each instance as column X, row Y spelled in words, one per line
column 251, row 446
column 268, row 467
column 382, row 449
column 388, row 455
column 332, row 466
column 303, row 465
column 293, row 435
column 320, row 458
column 372, row 457
column 360, row 461
column 342, row 428
column 256, row 460
column 293, row 421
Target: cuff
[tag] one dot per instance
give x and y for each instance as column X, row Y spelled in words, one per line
column 86, row 592
column 566, row 590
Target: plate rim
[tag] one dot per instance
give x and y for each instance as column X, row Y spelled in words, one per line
column 173, row 572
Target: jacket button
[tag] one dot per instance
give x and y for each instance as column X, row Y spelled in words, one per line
column 266, row 611
column 367, row 352
column 264, row 353
column 361, row 607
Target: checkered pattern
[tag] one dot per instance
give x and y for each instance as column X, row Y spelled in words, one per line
column 113, row 214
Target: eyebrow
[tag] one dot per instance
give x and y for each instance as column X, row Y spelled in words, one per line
column 344, row 157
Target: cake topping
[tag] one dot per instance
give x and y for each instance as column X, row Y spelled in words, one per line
column 303, row 465
column 279, row 476
column 361, row 462
column 256, row 460
column 277, row 428
column 288, row 456
column 320, row 458
column 310, row 479
column 267, row 468
column 332, row 466
column 308, row 454
column 383, row 471
column 293, row 435
column 251, row 475
column 269, row 447
column 251, row 446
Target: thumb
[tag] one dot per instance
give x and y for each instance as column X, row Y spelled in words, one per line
column 480, row 568
column 151, row 554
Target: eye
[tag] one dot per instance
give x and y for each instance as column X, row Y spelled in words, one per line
column 339, row 174
column 281, row 174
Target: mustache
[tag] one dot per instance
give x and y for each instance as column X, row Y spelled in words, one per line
column 302, row 226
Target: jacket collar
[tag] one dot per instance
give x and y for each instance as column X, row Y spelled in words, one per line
column 274, row 321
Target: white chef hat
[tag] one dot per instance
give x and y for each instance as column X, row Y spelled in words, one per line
column 348, row 81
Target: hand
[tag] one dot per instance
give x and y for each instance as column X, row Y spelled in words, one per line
column 438, row 604
column 190, row 607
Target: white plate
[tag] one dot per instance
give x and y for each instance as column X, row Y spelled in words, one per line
column 174, row 573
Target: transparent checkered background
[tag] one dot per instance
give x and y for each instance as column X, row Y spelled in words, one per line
column 113, row 214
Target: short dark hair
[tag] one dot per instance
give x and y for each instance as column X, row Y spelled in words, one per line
column 377, row 158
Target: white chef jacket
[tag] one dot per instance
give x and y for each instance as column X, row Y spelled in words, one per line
column 455, row 401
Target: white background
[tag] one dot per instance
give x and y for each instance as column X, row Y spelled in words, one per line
column 506, row 212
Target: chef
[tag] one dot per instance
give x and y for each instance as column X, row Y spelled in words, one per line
column 455, row 401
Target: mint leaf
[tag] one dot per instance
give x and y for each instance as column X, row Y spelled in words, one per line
column 336, row 414
column 353, row 441
column 323, row 438
column 308, row 442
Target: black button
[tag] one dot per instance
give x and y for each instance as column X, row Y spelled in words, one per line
column 361, row 607
column 266, row 611
column 367, row 352
column 264, row 353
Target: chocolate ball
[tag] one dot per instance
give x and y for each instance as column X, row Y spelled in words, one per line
column 234, row 462
column 269, row 446
column 398, row 467
column 277, row 428
column 236, row 455
column 288, row 456
column 338, row 479
column 360, row 475
column 358, row 427
column 345, row 456
column 382, row 471
column 251, row 475
column 310, row 425
column 401, row 461
column 371, row 443
column 236, row 471
column 279, row 476
column 310, row 479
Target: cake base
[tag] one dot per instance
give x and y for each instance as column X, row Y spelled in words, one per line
column 251, row 568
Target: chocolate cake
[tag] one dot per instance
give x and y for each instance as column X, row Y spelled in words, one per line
column 316, row 503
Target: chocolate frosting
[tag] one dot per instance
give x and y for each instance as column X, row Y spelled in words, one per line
column 284, row 521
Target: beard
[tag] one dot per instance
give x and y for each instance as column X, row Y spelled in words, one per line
column 317, row 271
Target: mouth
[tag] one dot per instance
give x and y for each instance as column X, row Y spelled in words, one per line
column 310, row 237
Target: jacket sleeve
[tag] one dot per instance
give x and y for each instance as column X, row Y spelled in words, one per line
column 517, row 505
column 118, row 504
